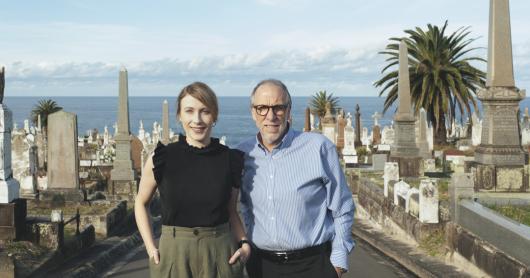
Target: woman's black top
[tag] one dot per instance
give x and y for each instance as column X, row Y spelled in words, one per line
column 195, row 184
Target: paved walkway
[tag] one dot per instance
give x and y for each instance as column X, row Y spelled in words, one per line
column 364, row 262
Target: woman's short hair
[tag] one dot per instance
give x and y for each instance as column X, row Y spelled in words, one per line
column 203, row 93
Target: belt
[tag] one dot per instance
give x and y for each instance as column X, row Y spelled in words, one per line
column 286, row 256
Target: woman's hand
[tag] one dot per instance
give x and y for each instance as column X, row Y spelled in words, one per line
column 242, row 254
column 155, row 255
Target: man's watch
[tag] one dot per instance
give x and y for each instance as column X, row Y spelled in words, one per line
column 342, row 270
column 241, row 242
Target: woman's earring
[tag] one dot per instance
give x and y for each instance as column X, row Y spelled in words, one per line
column 214, row 124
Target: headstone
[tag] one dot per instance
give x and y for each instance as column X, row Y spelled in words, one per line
column 312, row 121
column 404, row 150
column 365, row 138
column 106, row 136
column 408, row 197
column 63, row 158
column 307, row 123
column 429, row 201
column 329, row 124
column 391, row 173
column 461, row 187
column 341, row 124
column 26, row 126
column 423, row 145
column 500, row 145
column 156, row 132
column 378, row 161
column 165, row 123
column 349, row 153
column 376, row 129
column 401, row 189
column 9, row 187
column 222, row 140
column 123, row 176
column 429, row 165
column 358, row 141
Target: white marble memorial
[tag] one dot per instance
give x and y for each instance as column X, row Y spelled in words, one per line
column 391, row 173
column 429, row 201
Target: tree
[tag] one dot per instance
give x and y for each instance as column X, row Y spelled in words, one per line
column 44, row 108
column 442, row 80
column 318, row 104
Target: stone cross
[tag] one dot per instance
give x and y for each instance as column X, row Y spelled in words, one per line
column 404, row 109
column 165, row 122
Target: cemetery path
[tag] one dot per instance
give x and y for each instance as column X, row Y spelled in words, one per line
column 364, row 261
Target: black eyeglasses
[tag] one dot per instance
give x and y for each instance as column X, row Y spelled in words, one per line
column 278, row 110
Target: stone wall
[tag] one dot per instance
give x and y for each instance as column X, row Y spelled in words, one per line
column 371, row 198
column 483, row 254
column 47, row 234
column 104, row 224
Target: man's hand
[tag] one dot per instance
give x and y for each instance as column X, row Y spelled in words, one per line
column 339, row 271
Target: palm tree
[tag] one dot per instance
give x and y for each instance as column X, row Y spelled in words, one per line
column 44, row 108
column 442, row 79
column 318, row 104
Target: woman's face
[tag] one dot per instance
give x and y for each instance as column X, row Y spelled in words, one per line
column 197, row 120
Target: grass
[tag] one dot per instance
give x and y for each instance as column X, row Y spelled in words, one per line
column 520, row 214
column 434, row 244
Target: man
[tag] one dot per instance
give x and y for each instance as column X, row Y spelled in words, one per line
column 295, row 202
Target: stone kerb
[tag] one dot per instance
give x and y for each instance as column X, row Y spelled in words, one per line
column 505, row 234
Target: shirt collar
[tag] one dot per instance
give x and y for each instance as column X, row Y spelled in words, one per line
column 285, row 142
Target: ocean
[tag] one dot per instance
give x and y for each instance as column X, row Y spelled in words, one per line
column 235, row 121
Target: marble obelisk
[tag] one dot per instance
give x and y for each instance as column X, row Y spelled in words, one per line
column 500, row 157
column 123, row 176
column 165, row 122
column 404, row 150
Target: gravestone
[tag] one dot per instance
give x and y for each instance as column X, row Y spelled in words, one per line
column 165, row 122
column 391, row 173
column 423, row 145
column 358, row 141
column 9, row 187
column 500, row 151
column 307, row 122
column 123, row 176
column 349, row 153
column 429, row 165
column 412, row 193
column 376, row 129
column 404, row 150
column 378, row 161
column 429, row 201
column 63, row 158
column 341, row 124
column 401, row 189
column 329, row 124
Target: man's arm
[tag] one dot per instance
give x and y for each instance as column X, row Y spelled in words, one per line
column 340, row 203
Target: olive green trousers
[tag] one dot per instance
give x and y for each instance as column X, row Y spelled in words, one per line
column 201, row 252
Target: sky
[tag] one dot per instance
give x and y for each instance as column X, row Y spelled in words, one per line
column 76, row 48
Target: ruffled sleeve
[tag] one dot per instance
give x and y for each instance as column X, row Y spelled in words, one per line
column 159, row 161
column 237, row 159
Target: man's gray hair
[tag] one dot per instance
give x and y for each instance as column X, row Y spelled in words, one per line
column 275, row 82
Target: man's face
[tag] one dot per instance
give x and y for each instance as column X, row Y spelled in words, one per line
column 271, row 125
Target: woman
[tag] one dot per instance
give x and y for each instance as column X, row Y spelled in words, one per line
column 198, row 180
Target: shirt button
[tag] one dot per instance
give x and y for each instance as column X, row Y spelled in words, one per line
column 271, row 176
column 272, row 218
column 270, row 197
column 195, row 232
